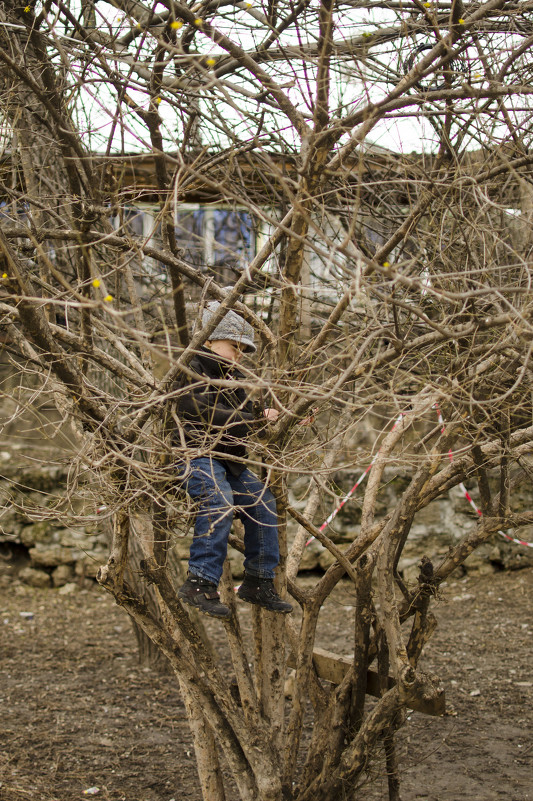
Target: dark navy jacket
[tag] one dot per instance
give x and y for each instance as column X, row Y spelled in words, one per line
column 217, row 418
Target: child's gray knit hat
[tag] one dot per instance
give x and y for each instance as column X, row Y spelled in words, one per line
column 232, row 327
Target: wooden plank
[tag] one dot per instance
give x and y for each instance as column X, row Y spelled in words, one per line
column 333, row 668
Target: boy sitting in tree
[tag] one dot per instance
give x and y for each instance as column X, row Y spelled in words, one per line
column 217, row 419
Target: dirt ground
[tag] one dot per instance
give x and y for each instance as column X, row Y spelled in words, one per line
column 79, row 714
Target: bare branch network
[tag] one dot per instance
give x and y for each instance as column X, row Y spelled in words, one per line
column 381, row 286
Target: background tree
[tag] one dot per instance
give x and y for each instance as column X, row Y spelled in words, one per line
column 391, row 297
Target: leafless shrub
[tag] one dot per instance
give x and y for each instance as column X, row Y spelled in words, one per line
column 385, row 287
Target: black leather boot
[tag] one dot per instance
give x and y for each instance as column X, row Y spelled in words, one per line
column 203, row 595
column 260, row 591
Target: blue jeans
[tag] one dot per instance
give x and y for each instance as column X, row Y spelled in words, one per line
column 218, row 494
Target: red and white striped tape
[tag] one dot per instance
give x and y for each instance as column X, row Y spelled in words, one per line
column 359, row 481
column 469, row 497
column 364, row 474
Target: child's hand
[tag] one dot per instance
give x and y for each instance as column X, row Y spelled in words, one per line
column 271, row 414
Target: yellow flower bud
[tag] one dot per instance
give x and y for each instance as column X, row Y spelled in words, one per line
column 386, row 264
column 4, row 275
column 198, row 21
column 211, row 62
column 176, row 25
column 158, row 100
column 108, row 298
column 27, row 10
column 96, row 283
column 461, row 22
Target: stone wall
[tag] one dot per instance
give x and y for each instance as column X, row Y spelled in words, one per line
column 436, row 528
column 57, row 554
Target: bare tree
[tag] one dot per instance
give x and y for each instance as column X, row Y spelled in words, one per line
column 391, row 295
